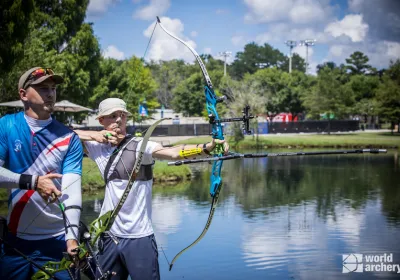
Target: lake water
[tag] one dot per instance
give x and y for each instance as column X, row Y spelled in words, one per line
column 280, row 218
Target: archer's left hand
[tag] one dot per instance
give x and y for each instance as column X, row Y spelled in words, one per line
column 72, row 244
column 214, row 142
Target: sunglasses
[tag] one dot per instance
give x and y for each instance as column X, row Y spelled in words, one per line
column 37, row 74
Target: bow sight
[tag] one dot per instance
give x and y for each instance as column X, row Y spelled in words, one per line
column 245, row 119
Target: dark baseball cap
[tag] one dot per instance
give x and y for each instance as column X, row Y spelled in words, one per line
column 37, row 75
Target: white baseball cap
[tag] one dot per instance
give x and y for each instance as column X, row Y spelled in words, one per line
column 111, row 105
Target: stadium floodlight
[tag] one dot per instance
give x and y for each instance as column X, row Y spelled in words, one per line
column 291, row 45
column 307, row 43
column 225, row 54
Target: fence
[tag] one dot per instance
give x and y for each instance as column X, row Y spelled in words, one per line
column 263, row 128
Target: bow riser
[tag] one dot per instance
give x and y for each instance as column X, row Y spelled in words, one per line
column 55, row 267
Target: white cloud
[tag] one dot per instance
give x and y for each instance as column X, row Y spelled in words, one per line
column 393, row 49
column 193, row 33
column 207, row 51
column 99, row 7
column 351, row 26
column 355, row 5
column 164, row 47
column 265, row 38
column 267, row 11
column 336, row 50
column 153, row 9
column 302, row 51
column 113, row 52
column 310, row 12
column 379, row 53
column 282, row 32
column 297, row 11
column 237, row 40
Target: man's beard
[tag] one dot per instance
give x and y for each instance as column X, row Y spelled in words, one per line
column 49, row 107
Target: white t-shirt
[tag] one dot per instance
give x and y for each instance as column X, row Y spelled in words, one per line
column 134, row 218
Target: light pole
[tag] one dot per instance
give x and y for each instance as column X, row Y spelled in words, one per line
column 225, row 54
column 291, row 45
column 307, row 43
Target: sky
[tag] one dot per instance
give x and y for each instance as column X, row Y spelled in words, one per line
column 340, row 27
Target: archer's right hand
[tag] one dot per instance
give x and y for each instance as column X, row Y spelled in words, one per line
column 106, row 136
column 45, row 186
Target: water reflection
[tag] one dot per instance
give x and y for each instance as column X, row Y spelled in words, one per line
column 281, row 218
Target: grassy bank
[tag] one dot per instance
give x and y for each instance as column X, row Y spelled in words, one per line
column 92, row 180
column 345, row 140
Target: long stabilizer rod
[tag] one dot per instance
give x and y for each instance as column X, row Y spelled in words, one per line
column 262, row 155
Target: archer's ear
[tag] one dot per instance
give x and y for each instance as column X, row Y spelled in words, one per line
column 22, row 94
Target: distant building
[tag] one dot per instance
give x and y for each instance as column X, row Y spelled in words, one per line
column 176, row 118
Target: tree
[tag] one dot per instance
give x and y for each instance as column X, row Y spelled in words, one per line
column 244, row 94
column 189, row 96
column 362, row 88
column 129, row 80
column 15, row 16
column 357, row 63
column 167, row 74
column 282, row 90
column 58, row 38
column 65, row 18
column 328, row 96
column 329, row 64
column 255, row 57
column 298, row 63
column 388, row 95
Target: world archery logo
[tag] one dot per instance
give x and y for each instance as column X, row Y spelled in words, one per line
column 18, row 145
column 352, row 263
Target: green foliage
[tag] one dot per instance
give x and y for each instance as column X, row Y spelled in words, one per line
column 329, row 64
column 168, row 74
column 363, row 88
column 129, row 80
column 298, row 63
column 328, row 96
column 388, row 94
column 282, row 90
column 56, row 37
column 189, row 94
column 357, row 63
column 15, row 16
column 255, row 57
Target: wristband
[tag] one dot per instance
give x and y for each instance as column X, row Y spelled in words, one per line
column 36, row 183
column 25, row 182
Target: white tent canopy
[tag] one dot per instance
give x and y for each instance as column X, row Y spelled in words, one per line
column 66, row 106
column 17, row 103
column 63, row 106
